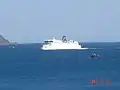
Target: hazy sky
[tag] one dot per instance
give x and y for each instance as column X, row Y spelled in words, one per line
column 83, row 20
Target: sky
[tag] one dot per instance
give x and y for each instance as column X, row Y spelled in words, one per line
column 27, row 21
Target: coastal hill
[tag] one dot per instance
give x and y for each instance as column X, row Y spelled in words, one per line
column 3, row 40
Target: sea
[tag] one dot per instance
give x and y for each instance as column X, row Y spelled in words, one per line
column 27, row 67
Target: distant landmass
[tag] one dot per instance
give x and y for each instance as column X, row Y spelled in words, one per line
column 3, row 40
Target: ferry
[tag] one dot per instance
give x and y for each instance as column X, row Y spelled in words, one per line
column 60, row 44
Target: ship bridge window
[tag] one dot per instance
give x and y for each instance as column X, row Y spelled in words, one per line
column 47, row 42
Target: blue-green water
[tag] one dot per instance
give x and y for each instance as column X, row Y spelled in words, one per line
column 26, row 67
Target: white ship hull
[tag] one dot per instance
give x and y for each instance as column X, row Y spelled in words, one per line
column 62, row 46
